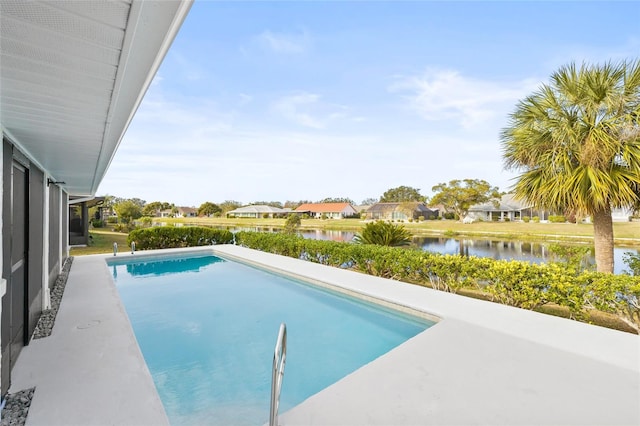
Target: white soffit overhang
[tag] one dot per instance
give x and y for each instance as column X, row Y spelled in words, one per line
column 73, row 73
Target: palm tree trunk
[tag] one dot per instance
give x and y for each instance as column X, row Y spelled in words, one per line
column 603, row 240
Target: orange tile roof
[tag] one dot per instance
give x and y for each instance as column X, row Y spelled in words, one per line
column 322, row 207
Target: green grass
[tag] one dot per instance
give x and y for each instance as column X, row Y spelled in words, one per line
column 101, row 241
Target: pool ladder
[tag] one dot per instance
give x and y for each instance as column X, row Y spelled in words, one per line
column 279, row 357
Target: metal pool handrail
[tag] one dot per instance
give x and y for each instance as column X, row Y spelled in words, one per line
column 279, row 357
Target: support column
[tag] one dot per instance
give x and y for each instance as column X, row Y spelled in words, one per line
column 60, row 227
column 46, row 293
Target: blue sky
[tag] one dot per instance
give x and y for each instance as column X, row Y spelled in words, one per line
column 261, row 101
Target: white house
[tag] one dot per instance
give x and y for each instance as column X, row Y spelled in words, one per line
column 258, row 211
column 507, row 208
column 72, row 75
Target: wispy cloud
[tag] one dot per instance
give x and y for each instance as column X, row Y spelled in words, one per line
column 308, row 110
column 285, row 43
column 448, row 95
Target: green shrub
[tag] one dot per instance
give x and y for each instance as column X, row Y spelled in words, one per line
column 123, row 227
column 536, row 219
column 557, row 219
column 515, row 283
column 112, row 219
column 420, row 218
column 97, row 223
column 449, row 215
column 526, row 219
column 632, row 260
column 383, row 234
column 162, row 237
column 145, row 221
column 292, row 224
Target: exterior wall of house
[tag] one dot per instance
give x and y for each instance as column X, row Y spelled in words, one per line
column 621, row 215
column 4, row 333
column 34, row 244
column 253, row 215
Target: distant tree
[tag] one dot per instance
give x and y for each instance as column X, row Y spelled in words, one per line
column 401, row 194
column 292, row 224
column 383, row 234
column 277, row 204
column 295, row 204
column 127, row 211
column 208, row 209
column 228, row 205
column 152, row 208
column 145, row 221
column 138, row 202
column 110, row 201
column 409, row 208
column 460, row 195
column 369, row 201
column 576, row 142
column 336, row 200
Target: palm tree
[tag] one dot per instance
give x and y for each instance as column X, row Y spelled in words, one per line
column 383, row 234
column 577, row 143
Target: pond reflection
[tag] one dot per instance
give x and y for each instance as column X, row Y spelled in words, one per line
column 536, row 252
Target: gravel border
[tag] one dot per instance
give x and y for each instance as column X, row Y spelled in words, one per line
column 16, row 405
column 48, row 317
column 16, row 408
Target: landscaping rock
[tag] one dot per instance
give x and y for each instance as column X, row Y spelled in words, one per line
column 48, row 317
column 16, row 408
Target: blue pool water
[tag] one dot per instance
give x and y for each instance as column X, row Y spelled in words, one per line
column 207, row 329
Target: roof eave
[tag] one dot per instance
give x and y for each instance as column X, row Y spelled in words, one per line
column 142, row 53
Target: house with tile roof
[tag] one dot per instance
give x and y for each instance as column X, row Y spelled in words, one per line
column 329, row 210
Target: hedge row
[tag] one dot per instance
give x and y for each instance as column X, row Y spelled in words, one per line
column 516, row 283
column 162, row 237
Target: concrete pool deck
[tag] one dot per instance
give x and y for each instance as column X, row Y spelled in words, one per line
column 482, row 364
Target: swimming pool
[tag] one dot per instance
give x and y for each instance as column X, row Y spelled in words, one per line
column 207, row 327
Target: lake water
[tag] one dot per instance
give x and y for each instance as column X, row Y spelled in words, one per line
column 537, row 252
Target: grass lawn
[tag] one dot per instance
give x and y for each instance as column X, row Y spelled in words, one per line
column 101, row 241
column 626, row 233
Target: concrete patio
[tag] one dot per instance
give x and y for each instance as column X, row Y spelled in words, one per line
column 482, row 364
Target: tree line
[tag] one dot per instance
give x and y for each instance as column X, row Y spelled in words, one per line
column 456, row 196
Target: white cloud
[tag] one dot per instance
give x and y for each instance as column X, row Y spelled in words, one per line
column 245, row 99
column 188, row 150
column 292, row 108
column 308, row 110
column 447, row 95
column 292, row 43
